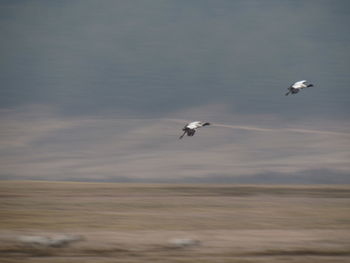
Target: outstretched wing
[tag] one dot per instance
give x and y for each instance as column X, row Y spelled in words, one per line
column 194, row 125
column 301, row 82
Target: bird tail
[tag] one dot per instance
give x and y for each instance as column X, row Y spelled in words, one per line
column 287, row 93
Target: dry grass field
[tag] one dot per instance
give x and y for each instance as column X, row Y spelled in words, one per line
column 174, row 223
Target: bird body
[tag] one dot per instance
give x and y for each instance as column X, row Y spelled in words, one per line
column 190, row 128
column 297, row 86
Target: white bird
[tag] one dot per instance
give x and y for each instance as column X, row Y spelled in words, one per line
column 191, row 127
column 297, row 86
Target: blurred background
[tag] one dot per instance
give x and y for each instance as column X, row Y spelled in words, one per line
column 94, row 92
column 100, row 90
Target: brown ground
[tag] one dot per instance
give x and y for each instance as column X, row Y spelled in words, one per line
column 136, row 223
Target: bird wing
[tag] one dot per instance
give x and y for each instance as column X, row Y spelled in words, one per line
column 300, row 82
column 194, row 125
column 186, row 126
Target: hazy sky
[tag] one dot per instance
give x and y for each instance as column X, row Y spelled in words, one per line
column 99, row 90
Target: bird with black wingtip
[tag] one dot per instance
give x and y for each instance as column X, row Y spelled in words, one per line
column 190, row 128
column 298, row 86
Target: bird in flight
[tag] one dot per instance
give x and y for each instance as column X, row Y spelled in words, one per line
column 297, row 86
column 190, row 128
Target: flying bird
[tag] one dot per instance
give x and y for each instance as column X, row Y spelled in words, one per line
column 190, row 128
column 297, row 86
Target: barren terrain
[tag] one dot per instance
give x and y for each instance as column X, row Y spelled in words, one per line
column 173, row 223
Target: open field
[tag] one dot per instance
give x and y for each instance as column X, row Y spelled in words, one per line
column 175, row 223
